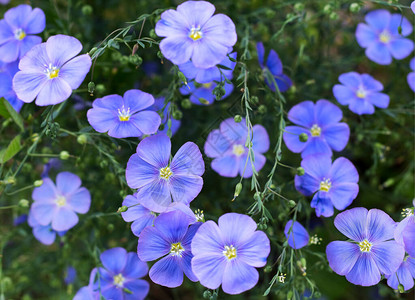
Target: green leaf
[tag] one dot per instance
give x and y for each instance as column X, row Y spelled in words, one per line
column 12, row 149
column 6, row 110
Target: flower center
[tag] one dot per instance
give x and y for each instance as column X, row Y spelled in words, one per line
column 19, row 34
column 406, row 212
column 176, row 249
column 52, row 72
column 229, row 252
column 385, row 37
column 361, row 93
column 315, row 130
column 238, row 150
column 119, row 280
column 195, row 33
column 124, row 115
column 165, row 173
column 325, row 185
column 61, row 201
column 365, row 246
column 207, row 85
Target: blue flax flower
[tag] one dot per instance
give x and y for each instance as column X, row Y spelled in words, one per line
column 17, row 31
column 202, row 94
column 411, row 75
column 169, row 239
column 381, row 37
column 119, row 279
column 333, row 184
column 361, row 92
column 126, row 116
column 158, row 106
column 405, row 231
column 70, row 276
column 160, row 180
column 296, row 235
column 229, row 253
column 226, row 146
column 57, row 205
column 274, row 66
column 321, row 123
column 413, row 6
column 192, row 32
column 210, row 74
column 50, row 71
column 372, row 252
column 405, row 275
column 43, row 233
column 87, row 292
column 7, row 71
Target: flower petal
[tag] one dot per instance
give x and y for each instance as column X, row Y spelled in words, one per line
column 352, row 223
column 401, row 48
column 171, row 24
column 6, row 33
column 296, row 235
column 155, row 150
column 379, row 53
column 292, row 138
column 172, row 225
column 343, row 194
column 216, row 144
column 17, row 16
column 317, row 146
column 254, row 252
column 402, row 276
column 36, row 21
column 54, row 91
column 344, row 94
column 238, row 277
column 323, row 205
column 317, row 166
column 188, row 161
column 274, row 63
column 140, row 173
column 409, row 239
column 67, row 183
column 134, row 268
column 245, row 169
column 306, row 184
column 365, row 35
column 167, row 272
column 208, row 239
column 28, row 43
column 196, row 12
column 44, row 234
column 152, row 244
column 177, row 49
column 139, row 290
column 302, row 114
column 378, row 99
column 209, row 268
column 75, row 70
column 362, row 107
column 342, row 256
column 236, row 228
column 155, row 196
column 79, row 201
column 46, row 192
column 114, row 260
column 337, row 136
column 260, row 139
column 61, row 48
column 102, row 120
column 380, row 226
column 184, row 188
column 226, row 166
column 326, row 113
column 43, row 213
column 261, row 53
column 343, row 170
column 378, row 19
column 137, row 100
column 207, row 54
column 233, row 131
column 147, row 122
column 9, row 51
column 365, row 272
column 388, row 256
column 27, row 85
column 64, row 219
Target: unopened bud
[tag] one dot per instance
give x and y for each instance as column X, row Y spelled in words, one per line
column 303, row 137
column 122, row 209
column 354, row 7
column 177, row 115
column 82, row 139
column 300, row 171
column 401, row 288
column 24, row 203
column 91, row 87
column 237, row 118
column 238, row 190
column 38, row 183
column 64, row 155
column 292, row 203
column 10, row 180
column 186, row 104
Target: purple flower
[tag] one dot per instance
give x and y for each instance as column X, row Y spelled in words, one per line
column 411, row 76
column 4, row 2
column 43, row 233
column 372, row 251
column 50, row 71
column 124, row 117
column 296, row 235
column 20, row 220
column 274, row 66
column 202, row 94
column 87, row 292
column 169, row 238
column 229, row 253
column 192, row 32
column 160, row 181
column 381, row 37
column 119, row 279
column 405, row 231
column 210, row 74
column 7, row 71
column 158, row 106
column 57, row 205
column 226, row 146
column 70, row 275
column 17, row 29
column 333, row 184
column 53, row 163
column 405, row 275
column 413, row 6
column 361, row 92
column 320, row 122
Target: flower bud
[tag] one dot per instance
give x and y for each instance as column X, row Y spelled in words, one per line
column 177, row 115
column 82, row 139
column 92, row 51
column 122, row 209
column 267, row 269
column 303, row 137
column 10, row 180
column 238, row 190
column 207, row 294
column 354, row 7
column 91, row 87
column 64, row 155
column 153, row 34
column 401, row 288
column 237, row 118
column 186, row 104
column 38, row 183
column 292, row 203
column 254, row 99
column 87, row 10
column 24, row 203
column 100, row 88
column 262, row 109
column 300, row 171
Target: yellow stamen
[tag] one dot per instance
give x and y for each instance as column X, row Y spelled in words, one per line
column 315, row 130
column 165, row 173
column 361, row 93
column 365, row 246
column 238, row 150
column 124, row 115
column 229, row 252
column 119, row 280
column 195, row 33
column 20, row 34
column 176, row 249
column 325, row 185
column 61, row 201
column 385, row 37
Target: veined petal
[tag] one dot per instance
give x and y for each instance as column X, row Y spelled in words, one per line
column 317, row 166
column 167, row 272
column 64, row 219
column 27, row 85
column 135, row 210
column 185, row 265
column 343, row 194
column 208, row 239
column 17, row 16
column 54, row 91
column 102, row 120
column 233, row 131
column 142, row 222
column 209, row 268
column 297, row 236
column 342, row 256
column 352, row 223
column 36, row 21
column 260, row 139
column 6, row 33
column 184, row 188
column 188, row 161
column 255, row 251
column 365, row 271
column 245, row 168
column 317, row 146
column 208, row 53
column 323, row 205
column 196, row 13
column 343, row 171
column 114, row 260
column 380, row 226
column 36, row 60
column 292, row 138
column 140, row 173
column 403, row 274
column 137, row 100
column 306, row 184
column 147, row 121
column 155, row 196
column 238, row 277
column 61, row 48
column 152, row 244
column 326, row 113
column 28, row 43
column 172, row 225
column 236, row 228
column 139, row 289
column 75, row 70
column 302, row 114
column 171, row 24
column 155, row 150
column 388, row 256
column 409, row 239
column 178, row 49
column 226, row 166
column 337, row 136
column 134, row 267
column 216, row 144
column 79, row 201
